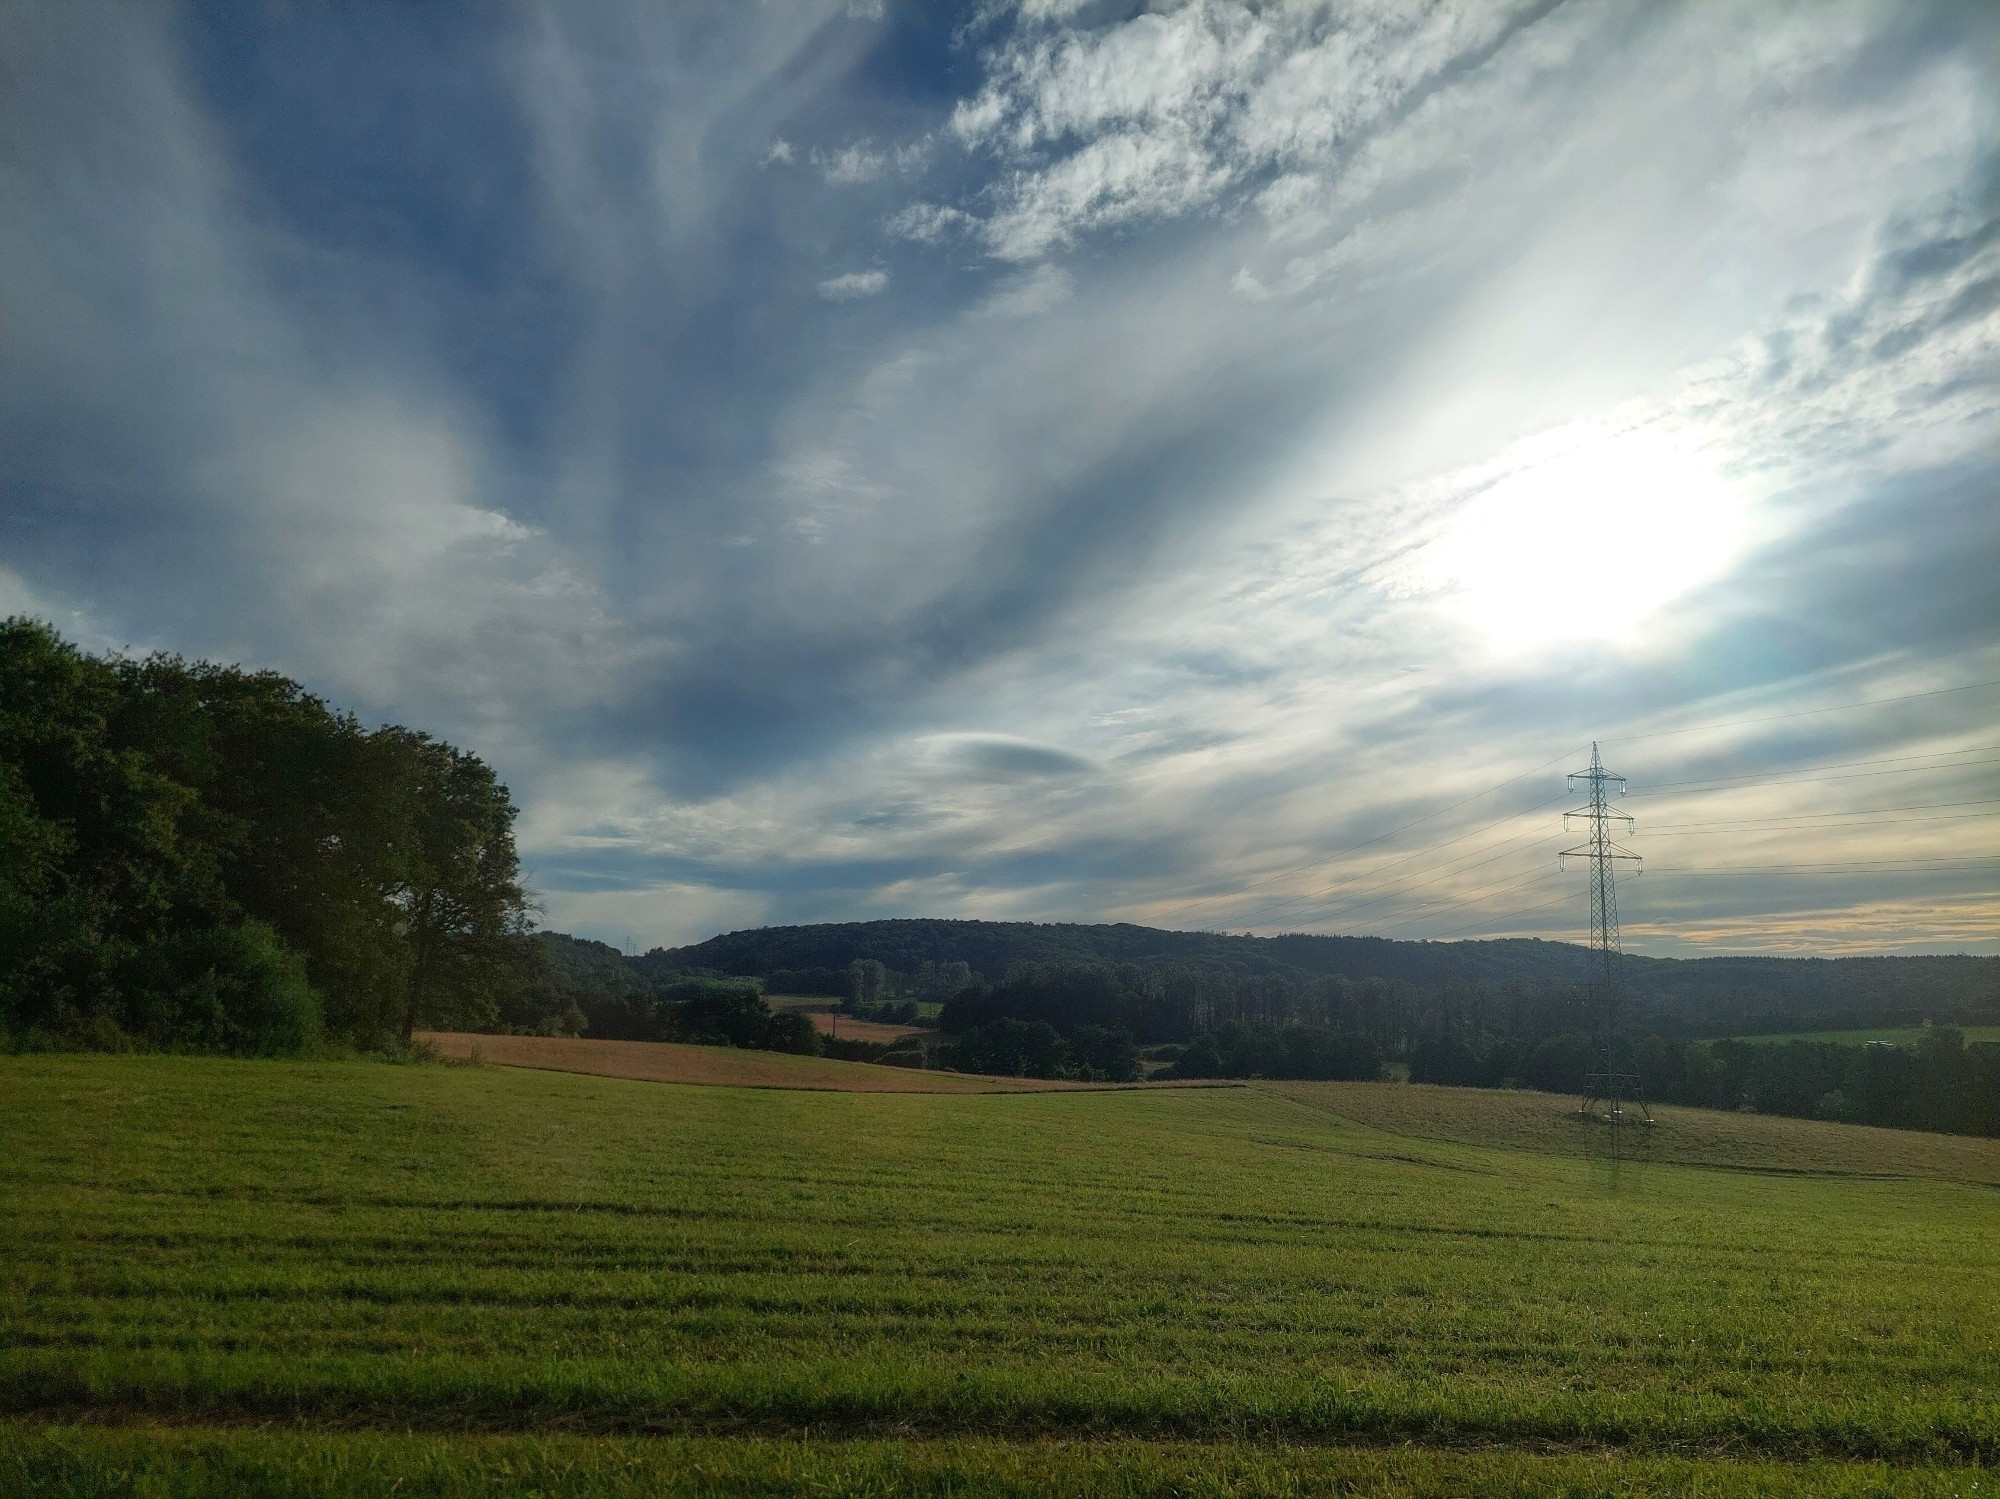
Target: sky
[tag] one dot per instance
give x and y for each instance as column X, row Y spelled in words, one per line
column 1213, row 466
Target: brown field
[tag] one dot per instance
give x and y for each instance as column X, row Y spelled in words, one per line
column 665, row 1062
column 849, row 1029
column 1698, row 1137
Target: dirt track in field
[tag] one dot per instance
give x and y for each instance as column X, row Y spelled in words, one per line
column 665, row 1062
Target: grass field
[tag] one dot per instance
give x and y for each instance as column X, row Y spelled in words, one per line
column 668, row 1062
column 1898, row 1036
column 240, row 1277
column 1547, row 1123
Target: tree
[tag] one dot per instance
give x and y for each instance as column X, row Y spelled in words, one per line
column 463, row 914
column 196, row 855
column 867, row 980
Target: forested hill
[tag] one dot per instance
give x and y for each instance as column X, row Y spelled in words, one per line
column 1697, row 990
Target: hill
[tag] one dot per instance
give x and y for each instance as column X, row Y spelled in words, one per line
column 1739, row 993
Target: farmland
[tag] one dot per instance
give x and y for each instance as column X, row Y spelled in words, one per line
column 666, row 1062
column 232, row 1276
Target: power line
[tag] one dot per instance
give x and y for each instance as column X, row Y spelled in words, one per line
column 1255, row 916
column 1720, row 830
column 1850, row 812
column 1508, row 916
column 1347, row 907
column 1349, row 887
column 1367, row 843
column 1828, row 866
column 1874, row 702
column 1500, row 888
column 1702, row 788
column 1755, row 775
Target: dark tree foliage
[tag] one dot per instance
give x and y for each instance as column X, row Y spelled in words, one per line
column 197, row 856
column 1713, row 996
column 702, row 1011
column 1008, row 1047
column 1234, row 1049
column 1939, row 1083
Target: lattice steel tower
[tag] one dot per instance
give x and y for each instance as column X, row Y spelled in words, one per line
column 1609, row 1090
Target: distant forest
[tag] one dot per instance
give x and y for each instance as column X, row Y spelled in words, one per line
column 199, row 857
column 1698, row 996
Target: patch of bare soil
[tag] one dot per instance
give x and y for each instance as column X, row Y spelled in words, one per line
column 850, row 1029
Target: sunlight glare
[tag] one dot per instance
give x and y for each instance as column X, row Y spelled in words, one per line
column 1591, row 542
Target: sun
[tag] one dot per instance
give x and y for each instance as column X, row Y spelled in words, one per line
column 1592, row 541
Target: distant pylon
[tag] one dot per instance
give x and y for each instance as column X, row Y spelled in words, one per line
column 1609, row 1085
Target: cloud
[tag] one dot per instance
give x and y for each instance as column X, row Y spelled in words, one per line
column 1167, row 113
column 1094, row 573
column 1004, row 757
column 858, row 162
column 1029, row 294
column 854, row 285
column 926, row 222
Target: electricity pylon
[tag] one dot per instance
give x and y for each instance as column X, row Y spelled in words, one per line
column 1608, row 1086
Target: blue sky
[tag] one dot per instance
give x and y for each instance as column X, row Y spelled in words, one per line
column 1214, row 466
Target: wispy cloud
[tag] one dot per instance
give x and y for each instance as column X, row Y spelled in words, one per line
column 854, row 285
column 1034, row 463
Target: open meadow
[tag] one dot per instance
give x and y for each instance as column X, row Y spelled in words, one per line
column 727, row 1066
column 231, row 1276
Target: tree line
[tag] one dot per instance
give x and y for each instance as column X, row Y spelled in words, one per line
column 1205, row 1023
column 1938, row 1082
column 198, row 856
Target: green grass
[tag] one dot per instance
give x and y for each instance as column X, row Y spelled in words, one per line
column 493, row 1278
column 159, row 1462
column 1895, row 1036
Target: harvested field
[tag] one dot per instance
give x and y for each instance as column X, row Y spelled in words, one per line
column 665, row 1062
column 849, row 1029
column 1547, row 1123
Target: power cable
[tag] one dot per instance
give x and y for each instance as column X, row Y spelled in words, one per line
column 1875, row 822
column 1874, row 702
column 1704, row 788
column 1712, row 783
column 1829, row 866
column 1346, row 903
column 1758, row 775
column 1850, row 812
column 1370, row 842
column 1507, row 916
column 1437, row 908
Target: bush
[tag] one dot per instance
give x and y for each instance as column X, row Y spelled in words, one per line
column 793, row 1031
